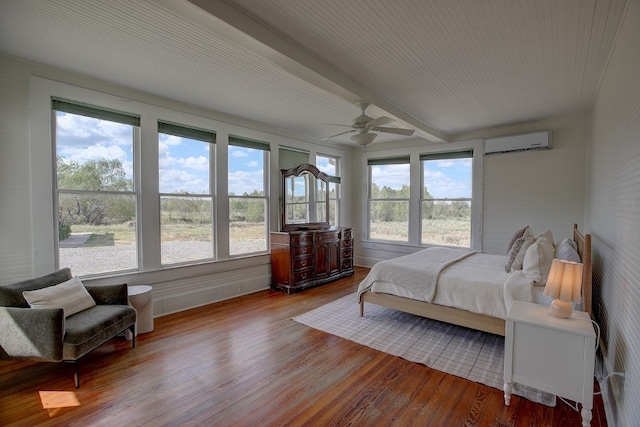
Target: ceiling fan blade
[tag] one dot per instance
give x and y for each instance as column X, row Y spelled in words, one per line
column 397, row 131
column 338, row 134
column 337, row 124
column 382, row 120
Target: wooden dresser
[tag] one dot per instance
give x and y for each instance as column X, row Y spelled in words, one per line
column 304, row 258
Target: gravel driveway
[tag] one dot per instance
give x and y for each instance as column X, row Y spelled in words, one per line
column 98, row 259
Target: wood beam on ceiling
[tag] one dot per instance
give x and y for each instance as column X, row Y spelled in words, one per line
column 234, row 25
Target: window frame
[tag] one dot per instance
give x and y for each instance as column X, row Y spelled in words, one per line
column 237, row 141
column 77, row 108
column 448, row 155
column 336, row 180
column 414, row 154
column 388, row 161
column 205, row 136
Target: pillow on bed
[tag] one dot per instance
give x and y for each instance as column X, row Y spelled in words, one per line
column 567, row 241
column 565, row 250
column 538, row 258
column 518, row 234
column 515, row 257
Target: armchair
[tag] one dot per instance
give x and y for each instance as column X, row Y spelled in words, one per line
column 45, row 334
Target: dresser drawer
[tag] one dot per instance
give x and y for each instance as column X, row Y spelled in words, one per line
column 347, row 234
column 303, row 275
column 347, row 253
column 299, row 251
column 302, row 263
column 323, row 237
column 347, row 243
column 347, row 264
column 302, row 239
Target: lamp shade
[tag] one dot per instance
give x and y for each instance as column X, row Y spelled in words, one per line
column 564, row 284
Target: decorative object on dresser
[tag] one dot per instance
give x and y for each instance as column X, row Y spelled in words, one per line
column 308, row 251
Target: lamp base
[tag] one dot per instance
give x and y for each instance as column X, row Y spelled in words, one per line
column 562, row 309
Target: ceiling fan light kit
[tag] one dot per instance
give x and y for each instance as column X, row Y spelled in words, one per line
column 364, row 124
column 363, row 139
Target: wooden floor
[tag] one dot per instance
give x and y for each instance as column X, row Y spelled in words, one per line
column 244, row 362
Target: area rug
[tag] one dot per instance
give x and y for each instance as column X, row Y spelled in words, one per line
column 456, row 350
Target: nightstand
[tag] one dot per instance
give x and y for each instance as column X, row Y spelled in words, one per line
column 551, row 354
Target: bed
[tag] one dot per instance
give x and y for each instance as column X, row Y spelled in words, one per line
column 465, row 288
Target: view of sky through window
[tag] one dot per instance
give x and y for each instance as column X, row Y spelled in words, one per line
column 82, row 139
column 448, row 178
column 245, row 170
column 444, row 178
column 183, row 166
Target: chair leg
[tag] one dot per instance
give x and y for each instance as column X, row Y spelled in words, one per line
column 132, row 329
column 76, row 374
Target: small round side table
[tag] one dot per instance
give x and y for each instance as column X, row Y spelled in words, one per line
column 140, row 298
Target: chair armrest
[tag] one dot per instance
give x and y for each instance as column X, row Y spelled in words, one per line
column 29, row 333
column 109, row 294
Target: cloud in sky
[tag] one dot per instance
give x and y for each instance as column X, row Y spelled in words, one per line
column 443, row 178
column 82, row 139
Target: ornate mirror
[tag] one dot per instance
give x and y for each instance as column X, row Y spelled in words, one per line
column 305, row 198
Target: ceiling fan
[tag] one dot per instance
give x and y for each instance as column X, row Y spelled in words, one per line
column 365, row 126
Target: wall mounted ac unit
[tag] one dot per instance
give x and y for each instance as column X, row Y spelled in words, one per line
column 520, row 142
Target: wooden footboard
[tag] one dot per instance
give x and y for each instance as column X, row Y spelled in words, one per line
column 454, row 316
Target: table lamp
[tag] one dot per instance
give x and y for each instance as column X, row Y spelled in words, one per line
column 564, row 284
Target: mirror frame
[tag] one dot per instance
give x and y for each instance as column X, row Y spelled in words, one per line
column 298, row 171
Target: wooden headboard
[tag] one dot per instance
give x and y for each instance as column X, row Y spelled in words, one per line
column 583, row 241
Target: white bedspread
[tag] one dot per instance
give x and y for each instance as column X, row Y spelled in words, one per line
column 417, row 273
column 476, row 283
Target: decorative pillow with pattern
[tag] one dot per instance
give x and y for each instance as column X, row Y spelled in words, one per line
column 518, row 234
column 516, row 254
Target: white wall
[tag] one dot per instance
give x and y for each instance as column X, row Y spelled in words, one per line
column 24, row 188
column 613, row 218
column 16, row 256
column 544, row 189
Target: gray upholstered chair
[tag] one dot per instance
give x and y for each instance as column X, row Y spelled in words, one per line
column 45, row 334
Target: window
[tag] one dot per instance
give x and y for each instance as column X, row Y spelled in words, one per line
column 95, row 188
column 330, row 165
column 389, row 183
column 248, row 202
column 186, row 198
column 446, row 199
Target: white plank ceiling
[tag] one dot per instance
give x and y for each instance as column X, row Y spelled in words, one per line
column 442, row 67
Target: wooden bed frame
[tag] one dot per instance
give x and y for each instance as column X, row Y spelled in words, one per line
column 472, row 320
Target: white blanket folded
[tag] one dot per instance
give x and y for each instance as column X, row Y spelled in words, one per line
column 417, row 273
